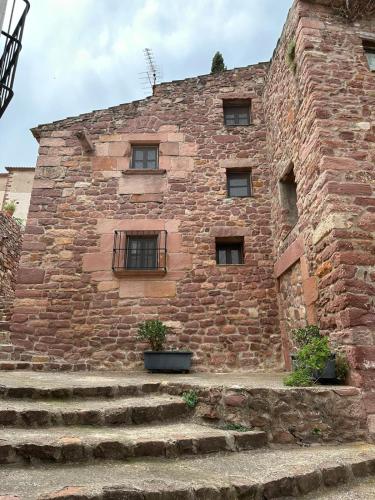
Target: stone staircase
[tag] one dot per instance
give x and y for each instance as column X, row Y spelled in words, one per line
column 135, row 441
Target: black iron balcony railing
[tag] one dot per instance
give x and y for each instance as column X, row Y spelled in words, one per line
column 9, row 59
column 135, row 251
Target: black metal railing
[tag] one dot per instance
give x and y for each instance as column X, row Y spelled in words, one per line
column 9, row 60
column 140, row 251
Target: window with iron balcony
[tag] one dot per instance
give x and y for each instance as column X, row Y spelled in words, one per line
column 137, row 252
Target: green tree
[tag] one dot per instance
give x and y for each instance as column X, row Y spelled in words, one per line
column 218, row 65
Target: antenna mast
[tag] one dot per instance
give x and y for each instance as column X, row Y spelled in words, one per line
column 153, row 74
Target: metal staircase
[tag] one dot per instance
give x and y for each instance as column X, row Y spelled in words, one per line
column 9, row 58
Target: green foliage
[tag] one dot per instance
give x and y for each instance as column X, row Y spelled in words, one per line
column 190, row 398
column 291, row 55
column 314, row 355
column 236, row 427
column 316, row 431
column 302, row 336
column 299, row 378
column 217, row 65
column 154, row 332
column 10, row 206
column 342, row 367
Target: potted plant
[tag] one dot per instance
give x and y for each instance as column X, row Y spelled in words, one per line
column 10, row 207
column 157, row 359
column 314, row 361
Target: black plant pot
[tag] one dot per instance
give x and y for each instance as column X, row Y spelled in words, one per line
column 168, row 361
column 327, row 375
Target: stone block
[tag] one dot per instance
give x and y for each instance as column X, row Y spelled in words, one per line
column 142, row 184
column 100, row 163
column 97, row 261
column 291, row 255
column 28, row 275
column 179, row 261
column 310, row 290
column 150, row 288
column 169, row 149
column 119, row 149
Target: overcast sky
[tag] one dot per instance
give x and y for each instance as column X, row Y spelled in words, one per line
column 81, row 55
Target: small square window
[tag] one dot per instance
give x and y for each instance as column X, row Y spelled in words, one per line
column 236, row 113
column 238, row 184
column 369, row 48
column 141, row 252
column 229, row 251
column 144, row 157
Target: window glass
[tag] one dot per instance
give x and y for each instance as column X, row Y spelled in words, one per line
column 236, row 115
column 229, row 253
column 141, row 252
column 145, row 157
column 238, row 184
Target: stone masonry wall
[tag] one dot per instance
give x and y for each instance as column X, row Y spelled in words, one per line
column 321, row 119
column 71, row 306
column 292, row 303
column 10, row 250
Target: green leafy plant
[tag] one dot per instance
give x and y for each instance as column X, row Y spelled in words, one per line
column 314, row 355
column 342, row 367
column 236, row 427
column 316, row 431
column 299, row 378
column 154, row 332
column 10, row 207
column 291, row 55
column 217, row 65
column 190, row 398
column 302, row 336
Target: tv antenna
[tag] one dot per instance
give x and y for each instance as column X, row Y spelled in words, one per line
column 152, row 76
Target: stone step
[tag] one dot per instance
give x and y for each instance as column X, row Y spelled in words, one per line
column 85, row 387
column 122, row 411
column 82, row 444
column 259, row 474
column 29, row 364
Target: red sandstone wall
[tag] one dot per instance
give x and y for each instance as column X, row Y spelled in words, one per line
column 69, row 303
column 323, row 119
column 10, row 250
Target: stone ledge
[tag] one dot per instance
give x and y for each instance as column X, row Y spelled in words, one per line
column 145, row 171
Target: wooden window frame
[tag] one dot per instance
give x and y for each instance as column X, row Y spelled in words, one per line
column 237, row 107
column 144, row 148
column 229, row 244
column 239, row 173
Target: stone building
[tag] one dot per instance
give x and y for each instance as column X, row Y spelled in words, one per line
column 233, row 207
column 16, row 184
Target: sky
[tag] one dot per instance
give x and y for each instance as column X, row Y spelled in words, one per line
column 81, row 55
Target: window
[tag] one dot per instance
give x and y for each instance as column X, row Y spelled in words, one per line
column 229, row 251
column 141, row 252
column 145, row 157
column 238, row 184
column 288, row 196
column 236, row 112
column 135, row 251
column 369, row 48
